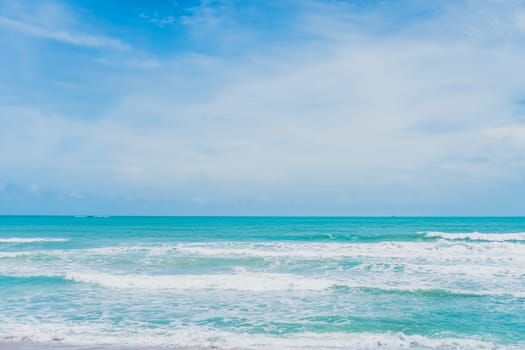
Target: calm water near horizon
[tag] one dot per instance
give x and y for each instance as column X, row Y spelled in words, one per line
column 264, row 282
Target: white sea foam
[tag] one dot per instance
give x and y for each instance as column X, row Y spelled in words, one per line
column 265, row 282
column 31, row 240
column 478, row 236
column 245, row 281
column 14, row 254
column 501, row 252
column 176, row 336
column 426, row 289
column 487, row 268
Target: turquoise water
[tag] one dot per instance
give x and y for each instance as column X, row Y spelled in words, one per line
column 264, row 283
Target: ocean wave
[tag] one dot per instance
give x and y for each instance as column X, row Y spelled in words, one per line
column 505, row 255
column 487, row 268
column 500, row 252
column 96, row 333
column 267, row 282
column 16, row 254
column 477, row 236
column 443, row 249
column 31, row 240
column 237, row 281
column 430, row 291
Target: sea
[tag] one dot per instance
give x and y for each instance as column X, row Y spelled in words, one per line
column 263, row 282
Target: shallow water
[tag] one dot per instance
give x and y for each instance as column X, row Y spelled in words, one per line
column 264, row 283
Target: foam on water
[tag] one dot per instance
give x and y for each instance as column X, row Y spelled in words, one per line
column 435, row 251
column 480, row 268
column 478, row 236
column 494, row 251
column 238, row 281
column 15, row 254
column 31, row 240
column 97, row 333
column 270, row 282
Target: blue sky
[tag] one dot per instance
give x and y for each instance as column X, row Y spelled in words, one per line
column 311, row 107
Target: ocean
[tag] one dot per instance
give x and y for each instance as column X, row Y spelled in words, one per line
column 263, row 282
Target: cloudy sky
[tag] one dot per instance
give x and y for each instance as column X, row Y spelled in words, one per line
column 306, row 107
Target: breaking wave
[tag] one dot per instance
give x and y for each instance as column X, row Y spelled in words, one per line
column 89, row 334
column 477, row 236
column 31, row 240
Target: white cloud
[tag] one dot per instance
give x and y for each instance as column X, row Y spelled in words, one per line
column 74, row 38
column 389, row 114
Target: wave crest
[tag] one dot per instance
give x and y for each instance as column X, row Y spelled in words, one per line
column 266, row 282
column 478, row 236
column 87, row 334
column 31, row 240
column 239, row 281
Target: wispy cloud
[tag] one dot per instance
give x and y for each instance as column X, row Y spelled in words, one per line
column 68, row 37
column 157, row 19
column 143, row 63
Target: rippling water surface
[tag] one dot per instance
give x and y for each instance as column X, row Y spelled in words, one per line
column 264, row 283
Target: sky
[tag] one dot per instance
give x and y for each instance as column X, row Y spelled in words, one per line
column 278, row 107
